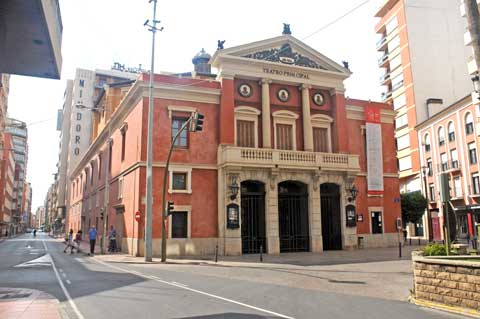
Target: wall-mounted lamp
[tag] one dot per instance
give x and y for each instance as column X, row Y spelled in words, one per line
column 234, row 188
column 353, row 193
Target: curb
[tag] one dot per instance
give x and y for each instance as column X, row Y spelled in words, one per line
column 438, row 306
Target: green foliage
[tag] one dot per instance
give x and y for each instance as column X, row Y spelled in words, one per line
column 413, row 206
column 435, row 250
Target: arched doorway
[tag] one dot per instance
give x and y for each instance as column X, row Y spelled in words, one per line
column 253, row 217
column 293, row 217
column 331, row 221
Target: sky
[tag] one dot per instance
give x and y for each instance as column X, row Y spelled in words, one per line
column 97, row 33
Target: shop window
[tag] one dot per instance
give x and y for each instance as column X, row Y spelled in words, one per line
column 180, row 225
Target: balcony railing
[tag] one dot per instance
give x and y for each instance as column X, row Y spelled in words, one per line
column 450, row 166
column 382, row 60
column 242, row 156
column 385, row 78
column 381, row 43
column 386, row 96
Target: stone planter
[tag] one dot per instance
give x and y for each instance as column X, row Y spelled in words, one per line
column 451, row 283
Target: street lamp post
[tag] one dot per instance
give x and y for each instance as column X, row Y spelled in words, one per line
column 429, row 218
column 104, row 214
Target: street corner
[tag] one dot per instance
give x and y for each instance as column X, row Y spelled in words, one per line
column 20, row 303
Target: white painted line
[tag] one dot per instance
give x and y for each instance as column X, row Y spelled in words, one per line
column 65, row 291
column 194, row 290
column 156, row 278
column 60, row 269
column 44, row 245
column 177, row 283
column 68, row 282
column 64, row 276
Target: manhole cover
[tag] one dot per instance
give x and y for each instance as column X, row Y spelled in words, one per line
column 15, row 296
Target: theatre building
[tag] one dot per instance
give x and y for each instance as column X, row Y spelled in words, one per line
column 285, row 163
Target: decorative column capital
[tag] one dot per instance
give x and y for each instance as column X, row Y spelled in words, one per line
column 265, row 81
column 305, row 87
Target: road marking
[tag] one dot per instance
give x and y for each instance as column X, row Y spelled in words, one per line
column 177, row 283
column 69, row 282
column 65, row 291
column 45, row 260
column 194, row 290
column 60, row 269
column 64, row 276
column 44, row 245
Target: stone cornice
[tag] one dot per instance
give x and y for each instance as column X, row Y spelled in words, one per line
column 358, row 113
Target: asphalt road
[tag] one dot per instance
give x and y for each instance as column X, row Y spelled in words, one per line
column 96, row 289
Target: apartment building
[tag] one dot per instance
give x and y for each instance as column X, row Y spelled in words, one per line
column 7, row 180
column 285, row 163
column 423, row 57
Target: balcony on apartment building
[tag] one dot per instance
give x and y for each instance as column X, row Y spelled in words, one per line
column 386, row 78
column 386, row 96
column 32, row 38
column 382, row 43
column 383, row 61
column 449, row 167
column 274, row 158
column 463, row 11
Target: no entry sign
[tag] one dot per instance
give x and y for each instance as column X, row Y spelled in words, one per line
column 137, row 216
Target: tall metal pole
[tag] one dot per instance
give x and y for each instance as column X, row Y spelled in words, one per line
column 148, row 214
column 429, row 217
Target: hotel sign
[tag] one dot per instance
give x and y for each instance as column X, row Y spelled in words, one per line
column 290, row 74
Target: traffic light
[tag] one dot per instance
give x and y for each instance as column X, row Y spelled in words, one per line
column 101, row 213
column 197, row 121
column 169, row 208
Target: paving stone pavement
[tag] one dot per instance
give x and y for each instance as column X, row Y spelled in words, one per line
column 19, row 303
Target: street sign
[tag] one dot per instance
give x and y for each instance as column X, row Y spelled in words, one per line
column 137, row 216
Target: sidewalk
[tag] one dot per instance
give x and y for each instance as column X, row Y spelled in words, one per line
column 16, row 303
column 291, row 260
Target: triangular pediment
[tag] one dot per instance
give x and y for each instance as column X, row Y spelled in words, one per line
column 284, row 50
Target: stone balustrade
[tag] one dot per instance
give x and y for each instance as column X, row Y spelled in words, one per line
column 262, row 157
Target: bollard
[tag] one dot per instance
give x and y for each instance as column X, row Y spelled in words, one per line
column 399, row 250
column 410, row 241
column 216, row 253
column 419, row 242
column 261, row 253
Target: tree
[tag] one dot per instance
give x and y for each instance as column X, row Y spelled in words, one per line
column 413, row 206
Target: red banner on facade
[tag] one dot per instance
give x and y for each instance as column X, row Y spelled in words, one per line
column 372, row 114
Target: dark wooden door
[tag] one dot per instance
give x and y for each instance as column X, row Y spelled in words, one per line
column 331, row 221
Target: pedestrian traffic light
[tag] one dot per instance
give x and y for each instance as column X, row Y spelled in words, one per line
column 169, row 208
column 101, row 213
column 198, row 119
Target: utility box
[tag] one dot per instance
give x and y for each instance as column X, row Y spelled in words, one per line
column 444, row 182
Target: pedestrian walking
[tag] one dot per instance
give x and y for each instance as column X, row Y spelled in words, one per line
column 69, row 242
column 112, row 236
column 78, row 240
column 92, row 236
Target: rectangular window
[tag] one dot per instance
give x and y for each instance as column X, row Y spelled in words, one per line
column 431, row 188
column 180, row 225
column 405, row 163
column 120, row 187
column 430, row 167
column 395, row 62
column 454, row 158
column 403, row 142
column 394, row 43
column 182, row 140
column 179, row 181
column 245, row 133
column 401, row 121
column 451, row 136
column 469, row 128
column 399, row 101
column 82, row 83
column 320, row 140
column 124, row 136
column 397, row 82
column 110, row 155
column 391, row 25
column 457, row 186
column 377, row 223
column 99, row 166
column 476, row 184
column 444, row 161
column 284, row 137
column 472, row 153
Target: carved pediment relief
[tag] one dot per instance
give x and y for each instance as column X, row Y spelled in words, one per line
column 286, row 55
